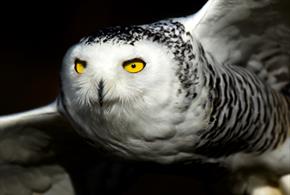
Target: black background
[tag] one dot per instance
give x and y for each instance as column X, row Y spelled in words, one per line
column 36, row 35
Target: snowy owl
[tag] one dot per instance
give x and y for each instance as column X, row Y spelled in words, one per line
column 211, row 87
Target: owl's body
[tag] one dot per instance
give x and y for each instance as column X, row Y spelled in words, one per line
column 162, row 92
column 183, row 106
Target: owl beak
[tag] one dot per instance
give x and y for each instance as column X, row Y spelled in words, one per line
column 101, row 92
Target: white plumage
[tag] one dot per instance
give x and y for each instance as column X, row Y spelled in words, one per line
column 139, row 111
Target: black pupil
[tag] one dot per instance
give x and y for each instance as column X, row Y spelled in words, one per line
column 133, row 65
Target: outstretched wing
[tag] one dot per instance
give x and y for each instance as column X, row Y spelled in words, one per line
column 250, row 33
column 28, row 162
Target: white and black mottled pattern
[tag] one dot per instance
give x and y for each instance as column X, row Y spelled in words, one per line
column 246, row 114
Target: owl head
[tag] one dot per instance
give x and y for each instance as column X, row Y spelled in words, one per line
column 136, row 65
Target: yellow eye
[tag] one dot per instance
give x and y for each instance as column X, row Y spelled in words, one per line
column 134, row 66
column 80, row 66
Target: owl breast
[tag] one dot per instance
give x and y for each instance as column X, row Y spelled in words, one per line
column 162, row 135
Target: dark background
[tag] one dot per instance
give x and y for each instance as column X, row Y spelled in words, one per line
column 36, row 35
